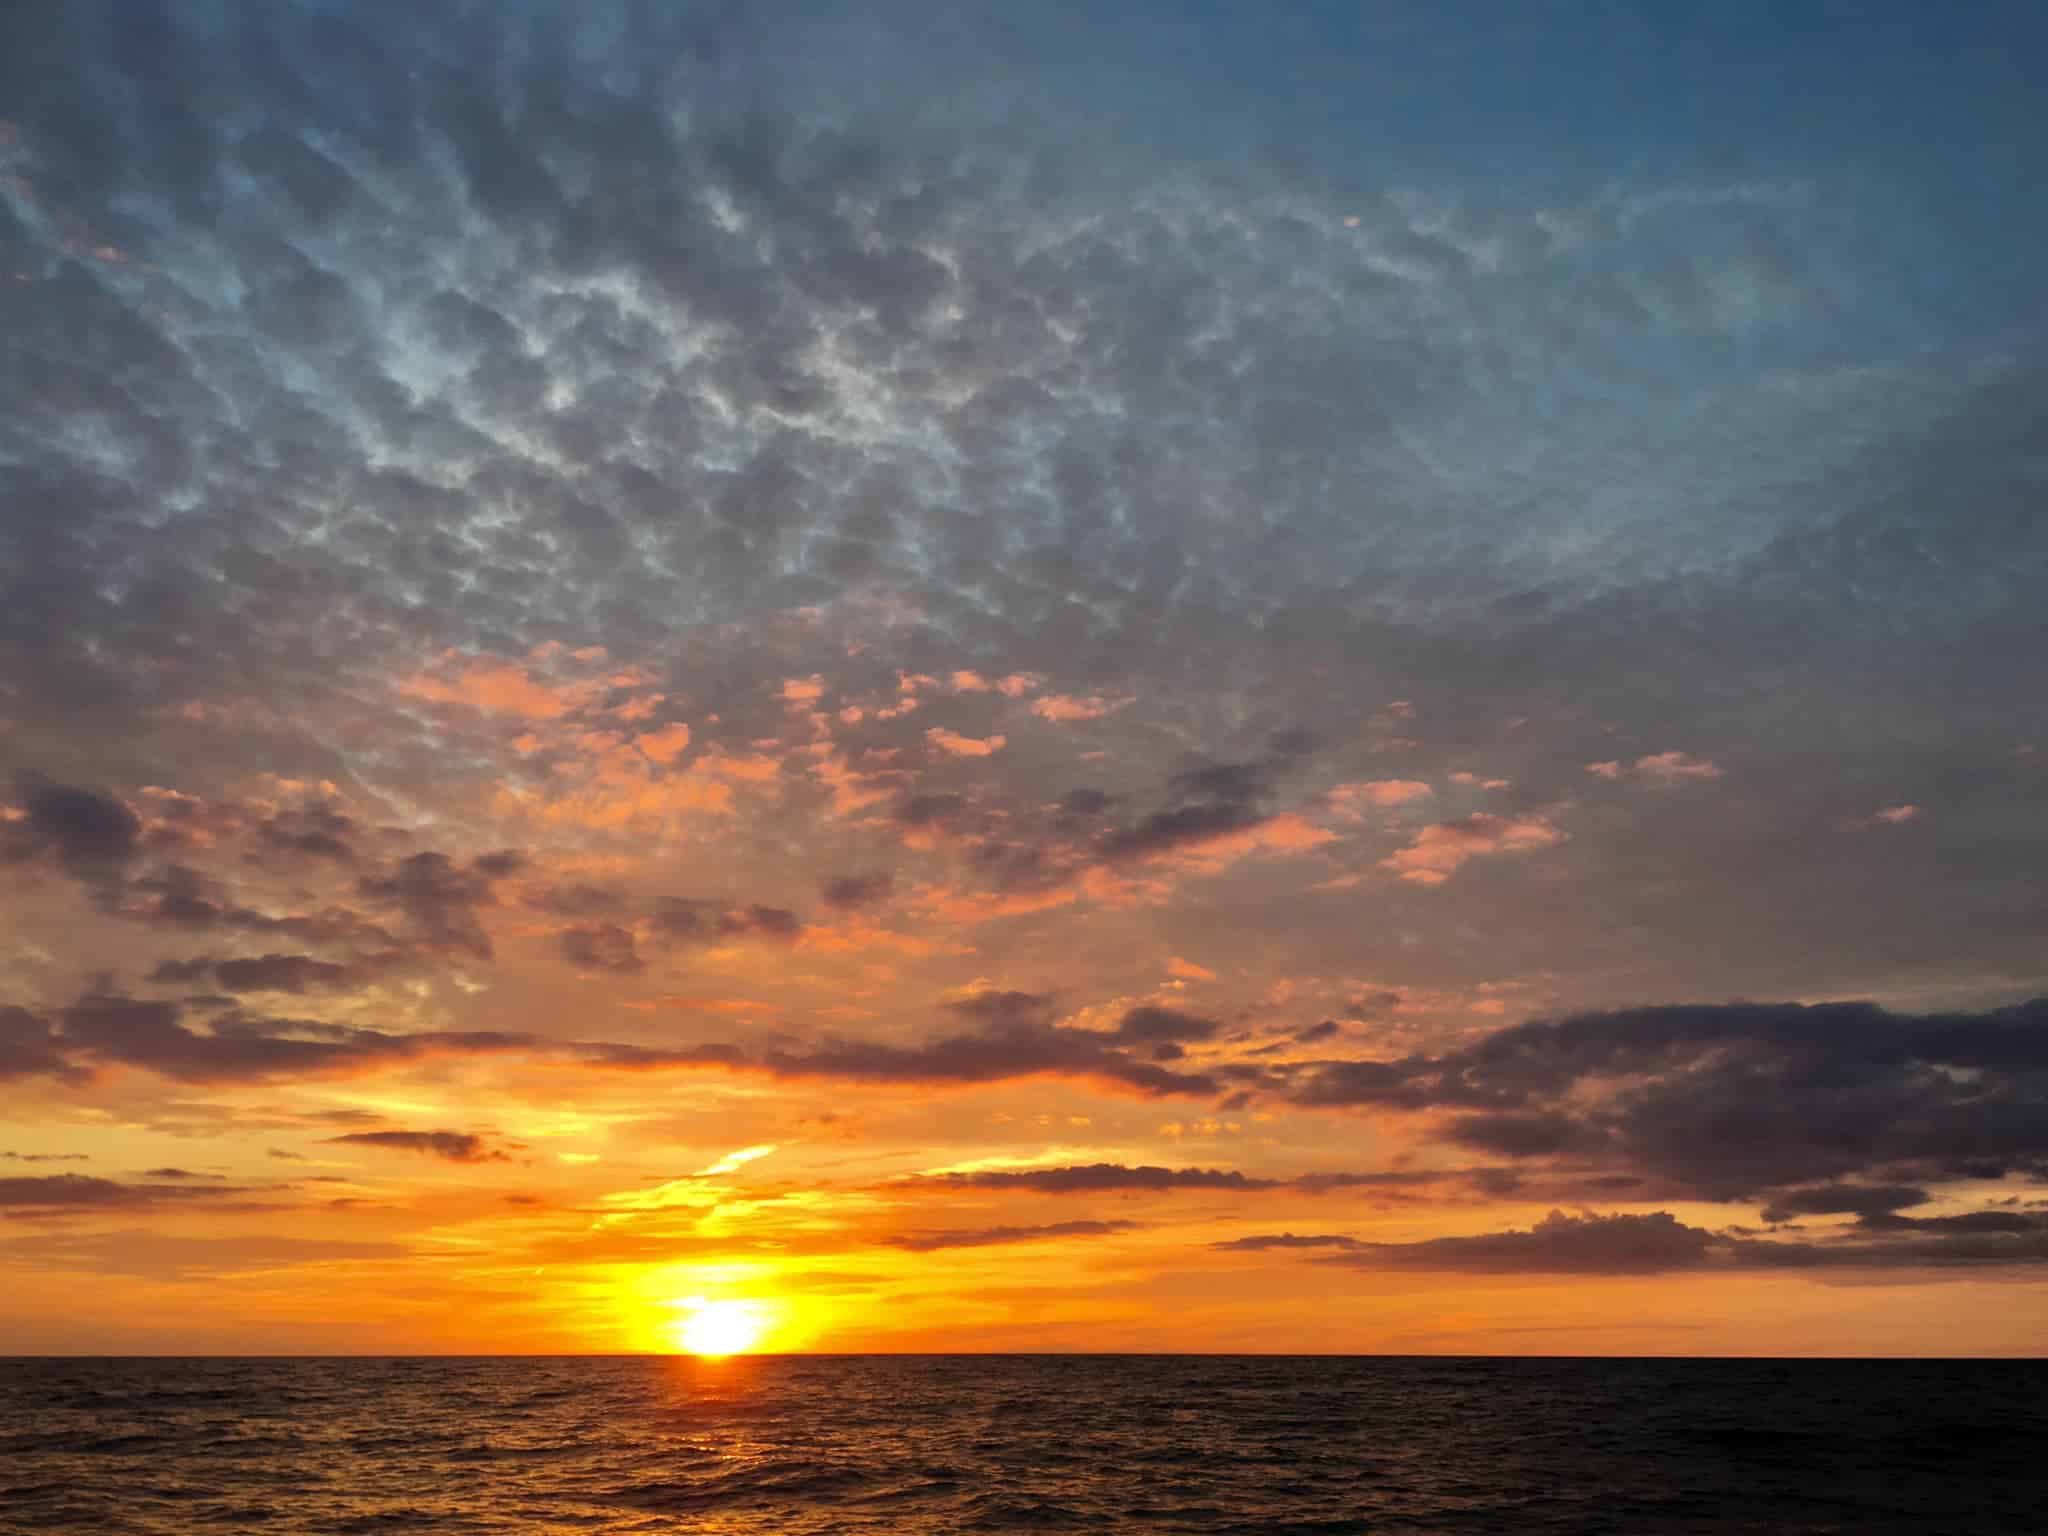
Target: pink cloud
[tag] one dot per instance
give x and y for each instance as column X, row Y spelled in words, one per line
column 1187, row 970
column 1890, row 816
column 1380, row 793
column 497, row 688
column 1670, row 767
column 1438, row 851
column 1665, row 768
column 1280, row 835
column 1064, row 707
column 964, row 746
column 1474, row 781
column 1017, row 684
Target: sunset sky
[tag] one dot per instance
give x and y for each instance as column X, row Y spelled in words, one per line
column 1023, row 677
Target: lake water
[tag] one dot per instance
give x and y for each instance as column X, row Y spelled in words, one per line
column 1033, row 1443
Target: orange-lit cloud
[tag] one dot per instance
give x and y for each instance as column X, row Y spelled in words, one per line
column 1063, row 707
column 1349, row 799
column 965, row 746
column 1663, row 768
column 495, row 687
column 1437, row 852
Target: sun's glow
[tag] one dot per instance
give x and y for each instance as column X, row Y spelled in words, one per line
column 720, row 1327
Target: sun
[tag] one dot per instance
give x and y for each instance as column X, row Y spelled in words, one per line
column 720, row 1327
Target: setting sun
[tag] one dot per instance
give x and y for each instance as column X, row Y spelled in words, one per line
column 720, row 1327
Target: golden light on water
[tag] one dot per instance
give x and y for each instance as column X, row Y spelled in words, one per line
column 720, row 1327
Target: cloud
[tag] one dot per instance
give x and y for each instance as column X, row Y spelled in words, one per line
column 1268, row 1242
column 1673, row 767
column 1723, row 1101
column 108, row 1030
column 1657, row 1243
column 1890, row 816
column 312, row 831
column 1011, row 1009
column 985, row 1237
column 1661, row 768
column 1381, row 794
column 30, row 1048
column 1437, row 852
column 450, row 400
column 964, row 746
column 89, row 833
column 162, row 1256
column 1559, row 1244
column 1063, row 708
column 684, row 920
column 1101, row 1178
column 602, row 947
column 1014, row 1042
column 1843, row 1199
column 1182, row 827
column 575, row 899
column 852, row 892
column 76, row 1193
column 449, row 1146
column 494, row 687
column 441, row 898
column 295, row 974
column 1149, row 1025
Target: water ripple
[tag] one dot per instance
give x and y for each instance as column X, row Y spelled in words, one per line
column 807, row 1447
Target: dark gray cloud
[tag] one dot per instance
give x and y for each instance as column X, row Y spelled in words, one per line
column 576, row 899
column 106, row 1030
column 1008, row 1051
column 1559, row 1244
column 89, row 833
column 1658, row 1242
column 1865, row 1200
column 602, row 947
column 28, row 1048
column 440, row 897
column 996, row 1009
column 852, row 892
column 1722, row 1102
column 1268, row 1242
column 1153, row 1025
column 684, row 920
column 985, row 1237
column 315, row 831
column 449, row 1146
column 262, row 973
column 77, row 1193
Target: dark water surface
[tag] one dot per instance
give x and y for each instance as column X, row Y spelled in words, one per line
column 979, row 1443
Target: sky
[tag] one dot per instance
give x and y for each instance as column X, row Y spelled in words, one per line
column 1169, row 677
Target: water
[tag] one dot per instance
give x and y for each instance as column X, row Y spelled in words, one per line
column 980, row 1443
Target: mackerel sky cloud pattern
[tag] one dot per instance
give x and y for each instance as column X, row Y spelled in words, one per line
column 1430, row 598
